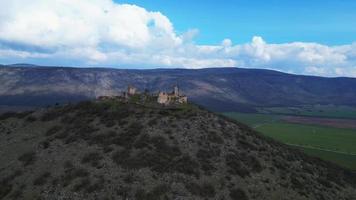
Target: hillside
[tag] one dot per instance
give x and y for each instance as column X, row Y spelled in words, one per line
column 112, row 150
column 220, row 89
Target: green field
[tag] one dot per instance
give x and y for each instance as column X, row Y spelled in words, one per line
column 333, row 144
column 314, row 110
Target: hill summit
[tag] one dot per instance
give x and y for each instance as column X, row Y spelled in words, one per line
column 115, row 150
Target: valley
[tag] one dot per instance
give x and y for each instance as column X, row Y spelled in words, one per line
column 311, row 130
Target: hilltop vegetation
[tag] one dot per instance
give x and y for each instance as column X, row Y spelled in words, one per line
column 113, row 150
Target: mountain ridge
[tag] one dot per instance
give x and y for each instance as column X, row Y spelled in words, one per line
column 219, row 89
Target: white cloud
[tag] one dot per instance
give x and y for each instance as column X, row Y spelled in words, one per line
column 105, row 33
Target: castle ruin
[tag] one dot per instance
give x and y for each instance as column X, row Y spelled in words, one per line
column 165, row 98
column 172, row 98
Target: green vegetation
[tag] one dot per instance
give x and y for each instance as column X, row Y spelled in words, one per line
column 340, row 158
column 332, row 144
column 333, row 139
column 253, row 120
column 314, row 110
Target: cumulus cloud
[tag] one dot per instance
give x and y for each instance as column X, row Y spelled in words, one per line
column 105, row 33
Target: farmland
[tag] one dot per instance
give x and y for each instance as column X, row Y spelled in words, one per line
column 330, row 143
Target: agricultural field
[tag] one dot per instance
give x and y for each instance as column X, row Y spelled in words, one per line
column 328, row 111
column 333, row 141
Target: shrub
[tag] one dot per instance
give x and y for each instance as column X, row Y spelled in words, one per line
column 243, row 164
column 28, row 158
column 236, row 166
column 5, row 189
column 19, row 115
column 204, row 190
column 44, row 144
column 127, row 139
column 68, row 165
column 215, row 138
column 162, row 147
column 119, row 157
column 186, row 165
column 143, row 141
column 51, row 115
column 204, row 157
column 42, row 179
column 73, row 173
column 7, row 115
column 155, row 194
column 83, row 183
column 152, row 122
column 31, row 119
column 96, row 186
column 92, row 158
column 238, row 194
column 53, row 130
column 103, row 139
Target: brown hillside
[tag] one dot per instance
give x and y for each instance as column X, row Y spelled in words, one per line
column 111, row 150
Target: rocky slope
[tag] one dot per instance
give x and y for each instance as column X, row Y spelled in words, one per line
column 112, row 150
column 220, row 89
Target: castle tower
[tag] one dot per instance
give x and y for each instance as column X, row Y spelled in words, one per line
column 176, row 91
column 131, row 90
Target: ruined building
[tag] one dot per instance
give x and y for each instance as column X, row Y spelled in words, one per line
column 165, row 98
column 172, row 98
column 131, row 91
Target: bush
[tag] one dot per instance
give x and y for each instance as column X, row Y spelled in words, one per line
column 155, row 194
column 28, row 158
column 119, row 157
column 204, row 190
column 53, row 130
column 243, row 164
column 83, row 183
column 143, row 141
column 96, row 186
column 51, row 115
column 127, row 139
column 238, row 194
column 5, row 189
column 215, row 138
column 152, row 122
column 162, row 147
column 44, row 144
column 204, row 157
column 42, row 179
column 186, row 165
column 92, row 158
column 73, row 173
column 31, row 119
column 19, row 115
column 104, row 139
column 236, row 166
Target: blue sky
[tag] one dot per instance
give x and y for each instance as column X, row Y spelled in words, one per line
column 312, row 37
column 331, row 22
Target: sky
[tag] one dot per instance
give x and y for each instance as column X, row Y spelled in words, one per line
column 302, row 37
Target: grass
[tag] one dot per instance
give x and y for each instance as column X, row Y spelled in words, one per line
column 314, row 110
column 253, row 120
column 334, row 139
column 345, row 160
column 328, row 143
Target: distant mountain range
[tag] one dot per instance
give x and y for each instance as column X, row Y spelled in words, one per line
column 219, row 89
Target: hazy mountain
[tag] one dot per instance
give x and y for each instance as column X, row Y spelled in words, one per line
column 218, row 89
column 112, row 150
